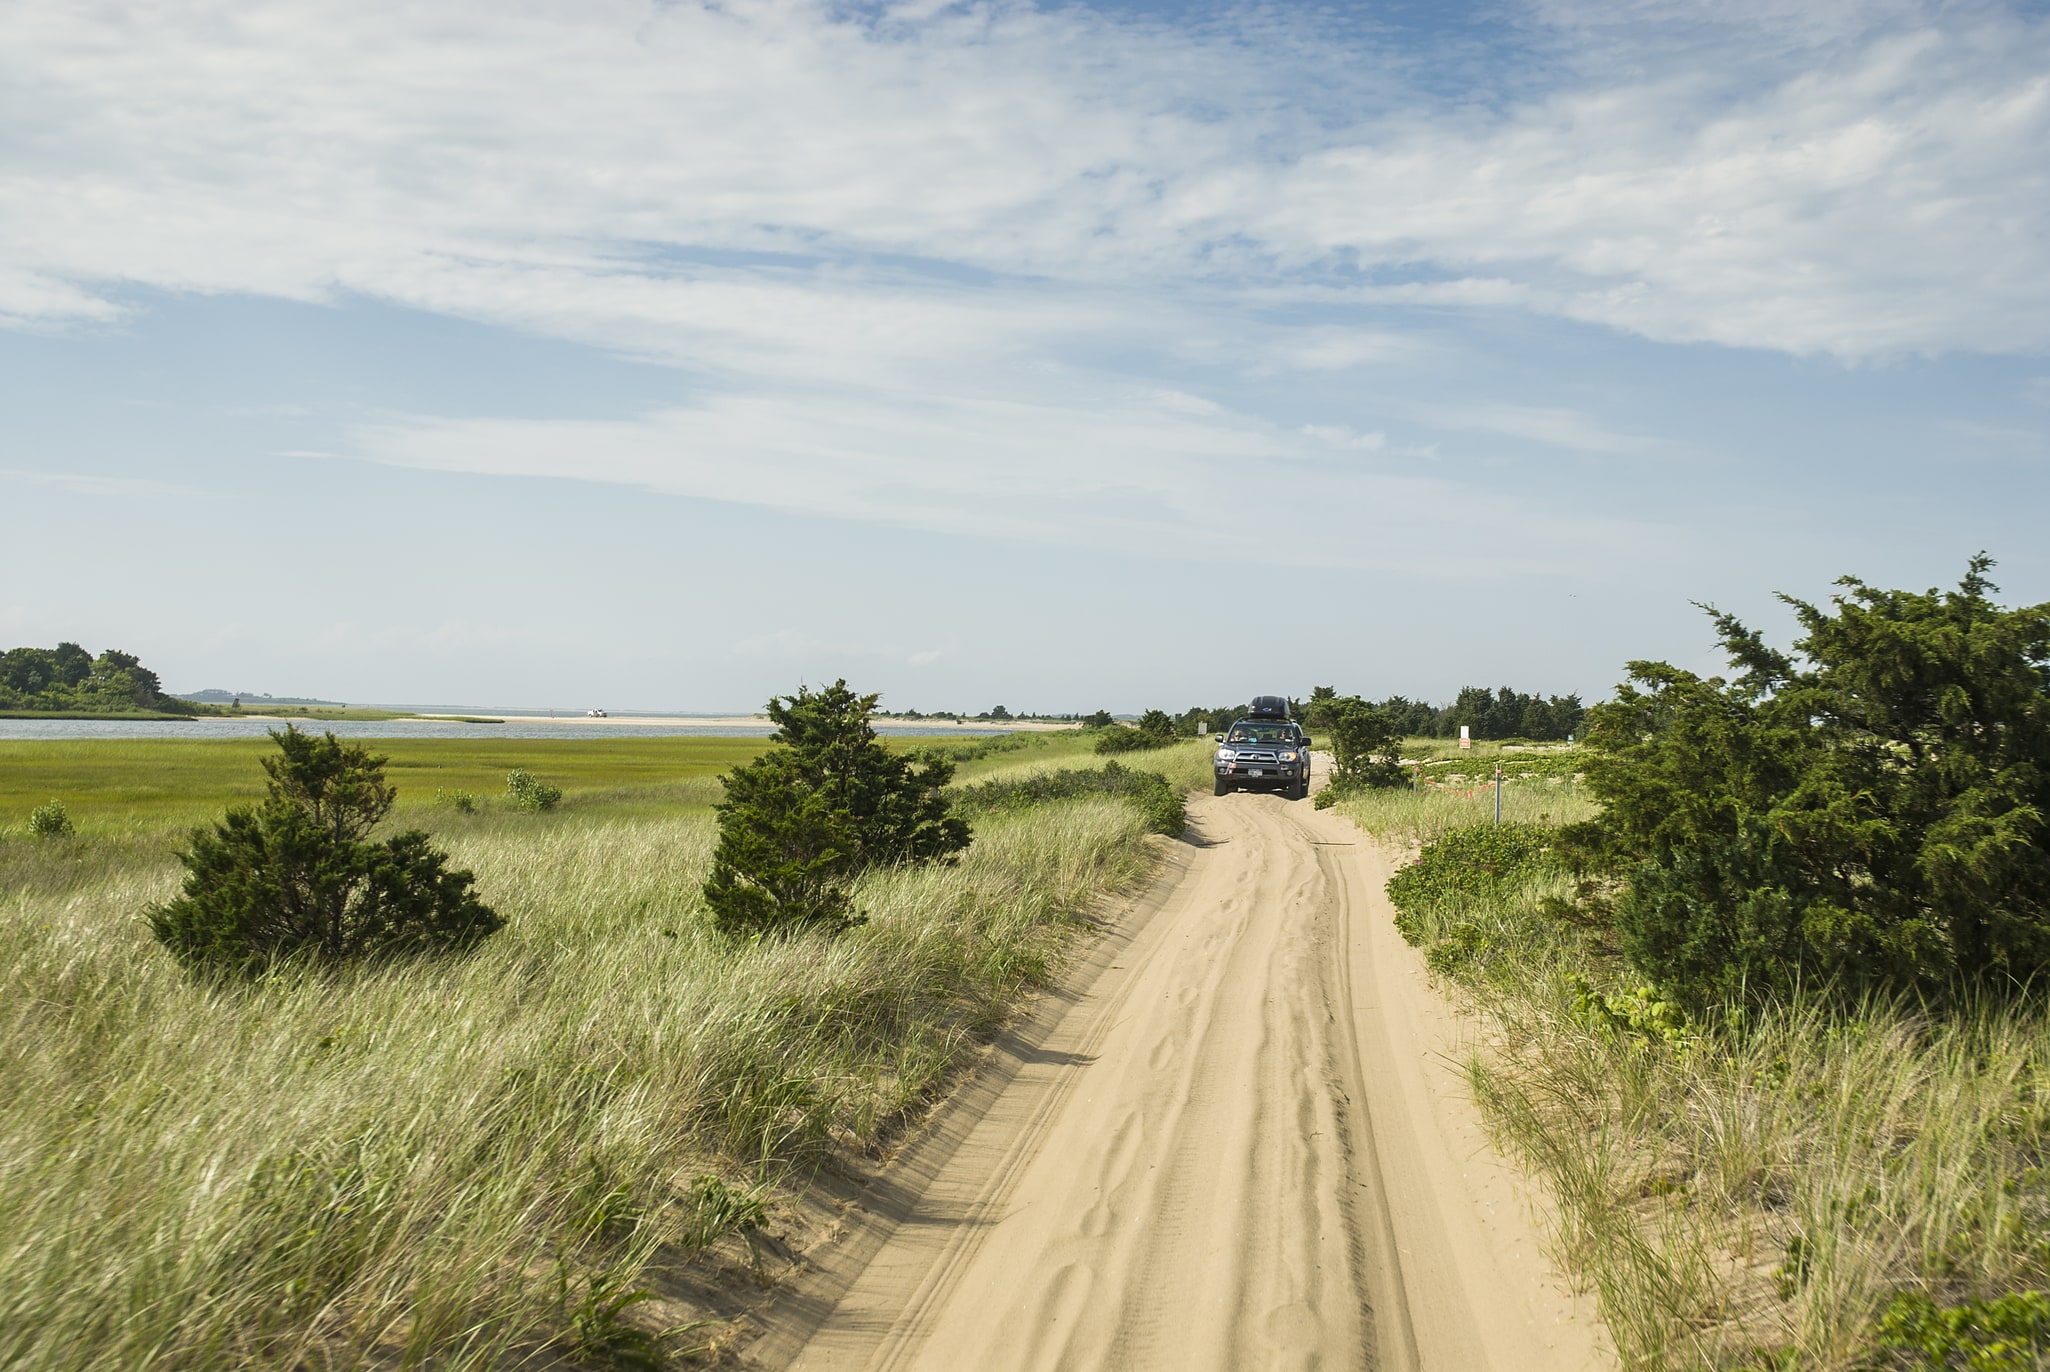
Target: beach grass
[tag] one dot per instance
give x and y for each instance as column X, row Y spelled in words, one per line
column 466, row 1163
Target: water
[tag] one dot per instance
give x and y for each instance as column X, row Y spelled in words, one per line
column 513, row 727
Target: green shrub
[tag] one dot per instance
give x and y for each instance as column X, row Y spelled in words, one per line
column 2009, row 1333
column 1120, row 739
column 1366, row 746
column 529, row 792
column 297, row 876
column 1482, row 864
column 799, row 823
column 1872, row 814
column 1155, row 729
column 462, row 802
column 50, row 821
column 1158, row 800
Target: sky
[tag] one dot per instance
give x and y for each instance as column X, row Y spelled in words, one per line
column 584, row 353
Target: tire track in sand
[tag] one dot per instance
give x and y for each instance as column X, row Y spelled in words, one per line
column 1210, row 1159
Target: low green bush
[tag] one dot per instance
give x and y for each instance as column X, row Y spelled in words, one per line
column 50, row 821
column 296, row 875
column 529, row 792
column 462, row 802
column 1480, row 864
column 1120, row 739
column 2009, row 1333
column 1162, row 805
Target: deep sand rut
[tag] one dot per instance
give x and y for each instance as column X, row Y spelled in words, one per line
column 1238, row 1141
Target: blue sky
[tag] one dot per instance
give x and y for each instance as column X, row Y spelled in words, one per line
column 665, row 356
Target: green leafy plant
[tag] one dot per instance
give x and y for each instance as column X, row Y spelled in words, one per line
column 1482, row 864
column 50, row 821
column 801, row 822
column 297, row 875
column 529, row 792
column 599, row 1330
column 2009, row 1333
column 462, row 802
column 718, row 1208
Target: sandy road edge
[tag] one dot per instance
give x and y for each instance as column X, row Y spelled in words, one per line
column 871, row 1204
column 1481, row 1289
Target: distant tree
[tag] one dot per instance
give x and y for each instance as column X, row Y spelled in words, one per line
column 299, row 876
column 67, row 678
column 122, row 676
column 1317, row 712
column 801, row 822
column 999, row 712
column 1155, row 729
column 1100, row 720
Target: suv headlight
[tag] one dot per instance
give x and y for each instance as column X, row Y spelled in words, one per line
column 1288, row 757
column 1225, row 755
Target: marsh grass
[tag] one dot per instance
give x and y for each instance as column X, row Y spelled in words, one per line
column 1751, row 1195
column 461, row 1164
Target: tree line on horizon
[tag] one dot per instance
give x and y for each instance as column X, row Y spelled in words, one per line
column 68, row 678
column 1491, row 715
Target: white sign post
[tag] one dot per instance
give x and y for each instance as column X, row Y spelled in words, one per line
column 1466, row 736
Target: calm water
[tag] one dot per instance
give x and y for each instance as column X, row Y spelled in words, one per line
column 513, row 727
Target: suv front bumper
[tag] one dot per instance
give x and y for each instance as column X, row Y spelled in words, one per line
column 1261, row 772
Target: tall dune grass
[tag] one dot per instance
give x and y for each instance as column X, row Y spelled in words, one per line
column 453, row 1164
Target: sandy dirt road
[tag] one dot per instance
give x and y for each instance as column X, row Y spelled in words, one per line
column 1238, row 1141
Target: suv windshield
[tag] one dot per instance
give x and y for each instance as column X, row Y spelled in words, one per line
column 1261, row 733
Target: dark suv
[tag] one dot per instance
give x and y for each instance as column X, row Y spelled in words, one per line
column 1265, row 750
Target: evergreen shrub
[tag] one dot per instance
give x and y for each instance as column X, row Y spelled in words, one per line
column 800, row 823
column 299, row 876
column 1870, row 813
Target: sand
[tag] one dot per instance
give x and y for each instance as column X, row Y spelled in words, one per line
column 1238, row 1138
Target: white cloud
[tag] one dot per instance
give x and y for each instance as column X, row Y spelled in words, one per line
column 1142, row 471
column 1876, row 186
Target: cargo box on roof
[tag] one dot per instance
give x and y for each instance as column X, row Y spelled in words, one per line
column 1268, row 707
